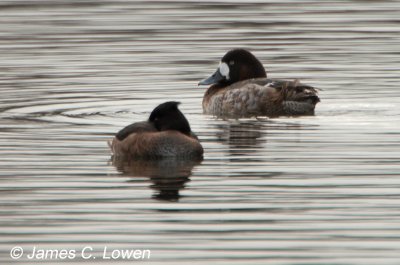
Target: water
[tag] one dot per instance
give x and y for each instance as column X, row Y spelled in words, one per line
column 309, row 190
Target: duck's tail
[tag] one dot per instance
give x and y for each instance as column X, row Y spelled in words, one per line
column 295, row 91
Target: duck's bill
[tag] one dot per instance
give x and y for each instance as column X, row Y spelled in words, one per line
column 215, row 78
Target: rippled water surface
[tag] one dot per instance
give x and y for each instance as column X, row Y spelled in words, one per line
column 309, row 190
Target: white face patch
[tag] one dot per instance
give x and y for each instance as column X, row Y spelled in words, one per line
column 224, row 70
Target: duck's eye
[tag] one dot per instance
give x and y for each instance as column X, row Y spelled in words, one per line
column 231, row 62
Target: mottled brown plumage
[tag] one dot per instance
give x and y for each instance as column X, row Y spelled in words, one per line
column 237, row 92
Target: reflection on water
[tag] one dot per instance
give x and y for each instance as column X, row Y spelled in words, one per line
column 168, row 176
column 241, row 137
column 241, row 134
column 322, row 189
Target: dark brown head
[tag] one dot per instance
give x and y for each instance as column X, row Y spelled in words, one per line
column 236, row 65
column 167, row 116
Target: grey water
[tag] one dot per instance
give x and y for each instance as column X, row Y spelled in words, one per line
column 321, row 189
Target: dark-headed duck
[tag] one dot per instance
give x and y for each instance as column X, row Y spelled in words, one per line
column 240, row 88
column 165, row 134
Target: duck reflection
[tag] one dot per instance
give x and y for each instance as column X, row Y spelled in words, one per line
column 244, row 138
column 168, row 176
column 247, row 139
column 243, row 134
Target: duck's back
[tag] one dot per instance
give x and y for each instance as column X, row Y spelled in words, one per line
column 260, row 97
column 137, row 127
column 156, row 145
column 143, row 141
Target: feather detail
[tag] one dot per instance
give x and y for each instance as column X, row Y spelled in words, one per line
column 261, row 97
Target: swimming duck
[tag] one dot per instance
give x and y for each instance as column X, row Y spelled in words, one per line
column 240, row 89
column 166, row 133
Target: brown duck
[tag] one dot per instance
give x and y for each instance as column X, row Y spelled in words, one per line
column 240, row 89
column 166, row 134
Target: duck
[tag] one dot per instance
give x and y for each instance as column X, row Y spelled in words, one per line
column 240, row 89
column 165, row 134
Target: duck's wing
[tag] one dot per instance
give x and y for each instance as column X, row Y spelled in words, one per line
column 136, row 127
column 294, row 91
column 294, row 97
column 117, row 144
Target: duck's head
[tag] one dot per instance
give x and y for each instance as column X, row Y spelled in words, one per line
column 236, row 65
column 167, row 116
